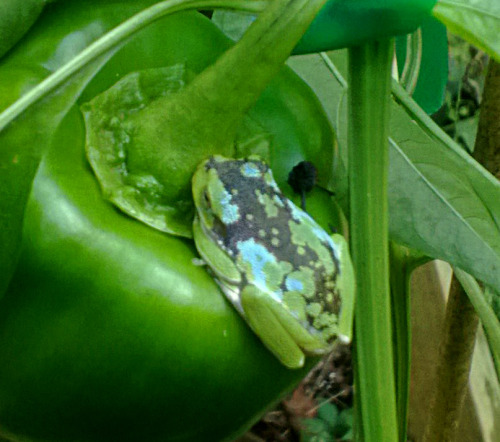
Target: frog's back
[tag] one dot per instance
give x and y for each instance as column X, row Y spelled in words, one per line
column 280, row 248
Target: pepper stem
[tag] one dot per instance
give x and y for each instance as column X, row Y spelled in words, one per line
column 174, row 133
column 234, row 83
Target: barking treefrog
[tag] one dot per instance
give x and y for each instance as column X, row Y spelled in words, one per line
column 290, row 280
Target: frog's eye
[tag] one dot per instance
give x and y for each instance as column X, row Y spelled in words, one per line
column 219, row 227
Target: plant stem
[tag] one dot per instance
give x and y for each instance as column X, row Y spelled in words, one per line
column 487, row 146
column 403, row 262
column 262, row 50
column 400, row 295
column 487, row 152
column 489, row 321
column 454, row 361
column 369, row 94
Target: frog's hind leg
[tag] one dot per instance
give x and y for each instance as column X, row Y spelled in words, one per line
column 263, row 321
column 308, row 340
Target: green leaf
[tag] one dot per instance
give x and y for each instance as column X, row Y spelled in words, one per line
column 315, row 430
column 329, row 414
column 477, row 21
column 345, row 424
column 338, row 423
column 441, row 201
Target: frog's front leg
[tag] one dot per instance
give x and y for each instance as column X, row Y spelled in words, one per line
column 280, row 332
column 346, row 286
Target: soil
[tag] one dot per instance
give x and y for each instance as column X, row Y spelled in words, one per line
column 331, row 380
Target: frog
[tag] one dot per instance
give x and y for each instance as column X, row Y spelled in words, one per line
column 291, row 281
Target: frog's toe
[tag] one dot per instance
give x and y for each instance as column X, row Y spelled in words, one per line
column 271, row 332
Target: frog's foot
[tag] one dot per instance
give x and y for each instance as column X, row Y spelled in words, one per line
column 199, row 262
column 279, row 331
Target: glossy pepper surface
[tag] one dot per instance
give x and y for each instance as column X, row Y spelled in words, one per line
column 344, row 23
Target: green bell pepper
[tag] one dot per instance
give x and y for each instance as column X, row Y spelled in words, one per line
column 345, row 23
column 15, row 19
column 108, row 331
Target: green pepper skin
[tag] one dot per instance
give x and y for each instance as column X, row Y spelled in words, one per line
column 16, row 18
column 49, row 45
column 344, row 23
column 108, row 331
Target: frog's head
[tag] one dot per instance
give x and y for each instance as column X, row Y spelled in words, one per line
column 211, row 199
column 213, row 207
